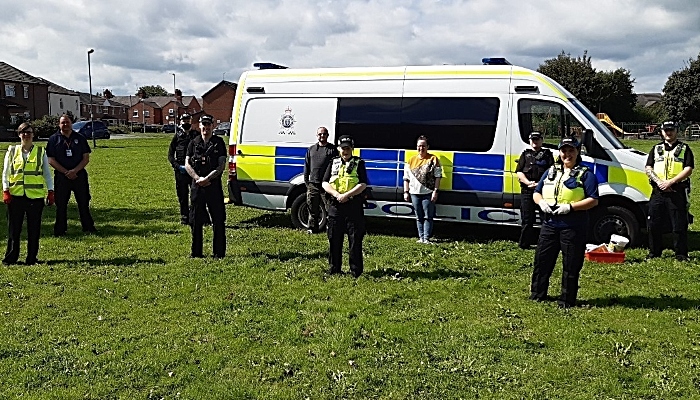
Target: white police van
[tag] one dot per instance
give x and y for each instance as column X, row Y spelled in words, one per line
column 477, row 119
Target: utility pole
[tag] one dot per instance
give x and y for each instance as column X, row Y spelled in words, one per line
column 92, row 125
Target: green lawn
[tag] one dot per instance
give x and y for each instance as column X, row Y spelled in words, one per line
column 126, row 314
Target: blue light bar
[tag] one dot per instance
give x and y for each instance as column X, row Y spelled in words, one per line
column 495, row 61
column 267, row 65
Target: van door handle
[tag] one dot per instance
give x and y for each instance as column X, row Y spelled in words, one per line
column 239, row 152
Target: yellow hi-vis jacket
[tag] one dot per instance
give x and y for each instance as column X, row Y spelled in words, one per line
column 26, row 177
column 555, row 191
column 668, row 164
column 344, row 177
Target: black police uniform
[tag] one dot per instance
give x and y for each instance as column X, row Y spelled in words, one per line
column 315, row 164
column 347, row 218
column 69, row 153
column 669, row 206
column 204, row 158
column 533, row 164
column 176, row 155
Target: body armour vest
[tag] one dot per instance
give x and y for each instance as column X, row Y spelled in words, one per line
column 668, row 164
column 206, row 156
column 344, row 176
column 536, row 164
column 182, row 140
column 26, row 177
column 564, row 188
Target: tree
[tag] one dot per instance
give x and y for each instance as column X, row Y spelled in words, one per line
column 610, row 92
column 150, row 91
column 681, row 97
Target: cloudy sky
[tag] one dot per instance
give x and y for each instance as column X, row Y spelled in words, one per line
column 141, row 42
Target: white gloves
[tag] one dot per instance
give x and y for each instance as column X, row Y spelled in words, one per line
column 563, row 209
column 544, row 206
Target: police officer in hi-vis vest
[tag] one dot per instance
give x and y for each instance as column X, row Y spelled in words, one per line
column 176, row 155
column 26, row 180
column 205, row 162
column 532, row 164
column 565, row 194
column 345, row 181
column 668, row 167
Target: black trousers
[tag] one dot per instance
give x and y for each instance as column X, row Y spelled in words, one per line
column 528, row 215
column 211, row 199
column 572, row 244
column 664, row 207
column 314, row 201
column 62, row 191
column 182, row 188
column 16, row 210
column 354, row 227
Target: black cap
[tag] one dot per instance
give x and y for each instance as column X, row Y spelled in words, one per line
column 346, row 141
column 206, row 118
column 568, row 141
column 669, row 125
column 535, row 135
column 185, row 116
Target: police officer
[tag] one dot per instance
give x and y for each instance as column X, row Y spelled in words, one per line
column 532, row 164
column 668, row 167
column 316, row 162
column 205, row 162
column 345, row 180
column 564, row 194
column 69, row 153
column 176, row 155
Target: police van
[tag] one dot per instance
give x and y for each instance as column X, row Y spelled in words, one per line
column 477, row 119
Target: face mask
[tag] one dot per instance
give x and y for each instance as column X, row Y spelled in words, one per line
column 186, row 126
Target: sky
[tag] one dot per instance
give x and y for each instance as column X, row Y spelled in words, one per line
column 139, row 42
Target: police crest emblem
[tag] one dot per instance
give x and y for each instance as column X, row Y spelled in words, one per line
column 287, row 122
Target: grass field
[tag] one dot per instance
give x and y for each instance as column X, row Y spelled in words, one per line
column 126, row 314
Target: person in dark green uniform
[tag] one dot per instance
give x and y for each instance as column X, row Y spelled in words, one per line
column 668, row 167
column 564, row 194
column 345, row 181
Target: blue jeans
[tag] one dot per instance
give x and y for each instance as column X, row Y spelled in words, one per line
column 425, row 212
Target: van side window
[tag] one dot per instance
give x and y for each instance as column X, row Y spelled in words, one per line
column 551, row 119
column 452, row 124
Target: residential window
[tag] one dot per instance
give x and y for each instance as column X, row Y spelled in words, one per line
column 9, row 90
column 147, row 113
column 76, row 105
column 26, row 91
column 171, row 111
column 136, row 113
column 60, row 103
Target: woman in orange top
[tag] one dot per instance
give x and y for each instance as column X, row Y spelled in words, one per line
column 421, row 180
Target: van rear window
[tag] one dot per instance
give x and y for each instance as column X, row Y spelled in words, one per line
column 452, row 124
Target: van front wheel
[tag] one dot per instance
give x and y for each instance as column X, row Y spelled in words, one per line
column 614, row 220
column 300, row 214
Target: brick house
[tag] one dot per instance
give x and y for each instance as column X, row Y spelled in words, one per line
column 218, row 101
column 62, row 100
column 159, row 110
column 103, row 109
column 22, row 96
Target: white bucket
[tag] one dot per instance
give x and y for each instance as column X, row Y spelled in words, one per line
column 618, row 243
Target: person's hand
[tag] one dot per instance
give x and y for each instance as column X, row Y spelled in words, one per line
column 544, row 206
column 665, row 186
column 182, row 169
column 532, row 185
column 433, row 197
column 203, row 182
column 563, row 209
column 6, row 197
column 406, row 197
column 342, row 198
column 71, row 174
column 50, row 198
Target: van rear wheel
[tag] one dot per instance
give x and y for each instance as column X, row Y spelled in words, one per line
column 616, row 220
column 300, row 214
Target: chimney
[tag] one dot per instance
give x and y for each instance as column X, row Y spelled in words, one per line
column 178, row 95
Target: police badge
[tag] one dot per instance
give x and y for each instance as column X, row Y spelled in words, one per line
column 287, row 122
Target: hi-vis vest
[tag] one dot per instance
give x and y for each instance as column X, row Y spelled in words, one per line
column 668, row 164
column 554, row 190
column 26, row 177
column 344, row 177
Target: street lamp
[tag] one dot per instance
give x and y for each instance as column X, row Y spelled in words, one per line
column 177, row 109
column 92, row 125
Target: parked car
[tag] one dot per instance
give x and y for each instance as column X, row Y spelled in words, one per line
column 169, row 128
column 223, row 128
column 85, row 129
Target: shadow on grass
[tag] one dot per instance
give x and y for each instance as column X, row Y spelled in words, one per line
column 271, row 220
column 435, row 274
column 121, row 261
column 643, row 302
column 289, row 255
